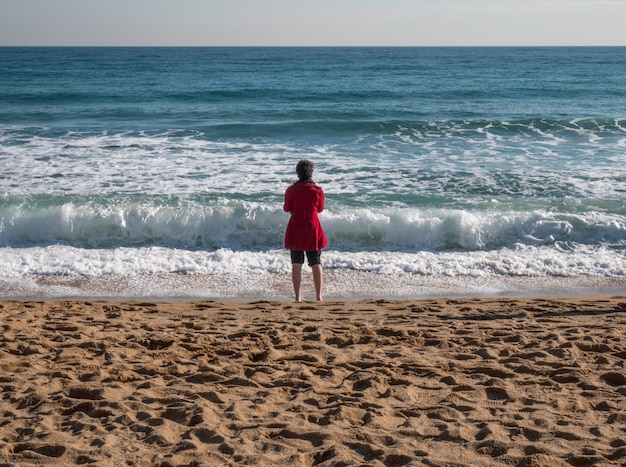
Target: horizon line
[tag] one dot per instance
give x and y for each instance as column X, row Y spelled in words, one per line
column 311, row 46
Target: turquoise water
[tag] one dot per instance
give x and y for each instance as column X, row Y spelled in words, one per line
column 478, row 164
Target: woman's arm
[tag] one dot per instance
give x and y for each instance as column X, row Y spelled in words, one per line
column 287, row 204
column 320, row 201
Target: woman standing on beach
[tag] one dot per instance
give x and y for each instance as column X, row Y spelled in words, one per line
column 304, row 235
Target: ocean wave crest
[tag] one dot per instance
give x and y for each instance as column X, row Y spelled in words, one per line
column 212, row 223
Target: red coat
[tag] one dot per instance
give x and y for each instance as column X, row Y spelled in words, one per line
column 304, row 231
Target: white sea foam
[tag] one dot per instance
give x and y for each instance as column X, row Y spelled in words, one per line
column 60, row 271
column 472, row 159
column 60, row 260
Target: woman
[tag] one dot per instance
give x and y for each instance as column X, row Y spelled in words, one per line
column 304, row 234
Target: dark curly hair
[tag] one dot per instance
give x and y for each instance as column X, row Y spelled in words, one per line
column 304, row 169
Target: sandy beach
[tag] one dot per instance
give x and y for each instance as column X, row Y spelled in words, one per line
column 537, row 381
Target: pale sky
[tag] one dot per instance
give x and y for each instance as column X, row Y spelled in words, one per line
column 312, row 22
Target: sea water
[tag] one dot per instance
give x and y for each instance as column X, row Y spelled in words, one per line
column 160, row 172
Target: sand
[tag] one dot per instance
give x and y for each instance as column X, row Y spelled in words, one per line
column 485, row 381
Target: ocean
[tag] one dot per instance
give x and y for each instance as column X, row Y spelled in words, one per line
column 160, row 172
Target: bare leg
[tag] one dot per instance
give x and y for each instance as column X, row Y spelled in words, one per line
column 296, row 277
column 318, row 280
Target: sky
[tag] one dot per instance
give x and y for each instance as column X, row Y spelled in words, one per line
column 312, row 22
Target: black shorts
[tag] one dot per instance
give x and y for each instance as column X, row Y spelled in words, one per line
column 313, row 257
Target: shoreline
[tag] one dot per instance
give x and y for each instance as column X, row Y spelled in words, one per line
column 343, row 285
column 597, row 303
